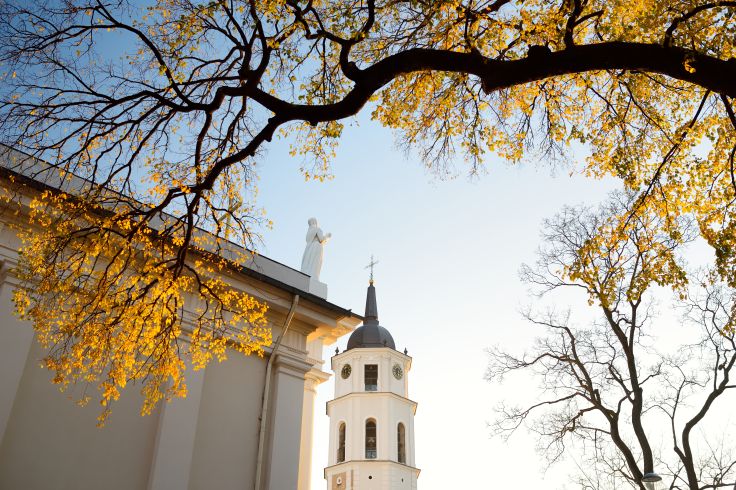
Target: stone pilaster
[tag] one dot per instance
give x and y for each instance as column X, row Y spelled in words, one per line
column 177, row 428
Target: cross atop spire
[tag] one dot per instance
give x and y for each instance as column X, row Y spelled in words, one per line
column 370, row 266
column 371, row 309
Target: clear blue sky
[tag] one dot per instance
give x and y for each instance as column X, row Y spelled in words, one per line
column 447, row 284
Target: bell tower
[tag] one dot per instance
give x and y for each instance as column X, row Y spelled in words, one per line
column 371, row 416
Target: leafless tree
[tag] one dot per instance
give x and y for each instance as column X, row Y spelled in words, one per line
column 606, row 385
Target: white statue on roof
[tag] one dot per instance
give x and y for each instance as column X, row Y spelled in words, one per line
column 314, row 251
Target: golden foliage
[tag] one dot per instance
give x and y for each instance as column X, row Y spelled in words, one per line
column 173, row 127
column 107, row 301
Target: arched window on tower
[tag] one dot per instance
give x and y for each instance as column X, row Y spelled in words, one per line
column 370, row 439
column 401, row 435
column 341, row 443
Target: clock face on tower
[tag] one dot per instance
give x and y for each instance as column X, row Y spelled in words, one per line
column 346, row 370
column 398, row 372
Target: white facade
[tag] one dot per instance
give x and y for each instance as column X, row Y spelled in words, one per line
column 371, row 386
column 207, row 440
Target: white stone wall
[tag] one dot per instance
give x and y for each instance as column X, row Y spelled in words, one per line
column 208, row 440
column 49, row 442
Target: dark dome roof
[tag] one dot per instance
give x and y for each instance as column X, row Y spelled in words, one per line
column 371, row 334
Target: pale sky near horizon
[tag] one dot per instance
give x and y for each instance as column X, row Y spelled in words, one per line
column 448, row 288
column 447, row 284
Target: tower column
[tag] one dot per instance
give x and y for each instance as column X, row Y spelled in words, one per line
column 175, row 437
column 312, row 379
column 286, row 420
column 17, row 340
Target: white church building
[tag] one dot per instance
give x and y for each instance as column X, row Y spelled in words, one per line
column 245, row 424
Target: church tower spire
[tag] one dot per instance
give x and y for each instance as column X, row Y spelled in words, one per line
column 371, row 308
column 371, row 416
